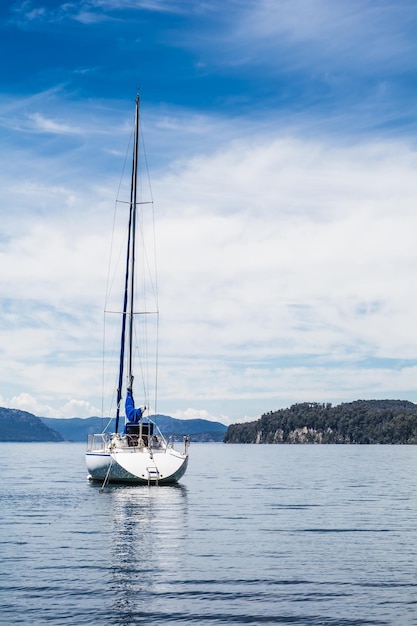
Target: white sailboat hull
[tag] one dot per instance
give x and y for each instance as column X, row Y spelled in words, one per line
column 137, row 465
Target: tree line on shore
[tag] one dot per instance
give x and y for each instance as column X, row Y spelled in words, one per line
column 358, row 422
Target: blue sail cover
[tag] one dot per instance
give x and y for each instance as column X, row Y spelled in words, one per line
column 132, row 414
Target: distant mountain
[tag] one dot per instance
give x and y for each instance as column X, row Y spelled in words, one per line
column 78, row 429
column 362, row 421
column 18, row 425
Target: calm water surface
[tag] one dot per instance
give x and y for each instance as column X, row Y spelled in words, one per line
column 303, row 535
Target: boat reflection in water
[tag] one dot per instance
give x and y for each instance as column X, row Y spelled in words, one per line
column 147, row 549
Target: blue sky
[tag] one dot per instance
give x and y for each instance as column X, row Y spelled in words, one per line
column 280, row 138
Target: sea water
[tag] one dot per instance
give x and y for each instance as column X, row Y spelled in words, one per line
column 279, row 534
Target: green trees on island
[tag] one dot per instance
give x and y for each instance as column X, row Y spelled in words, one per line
column 362, row 421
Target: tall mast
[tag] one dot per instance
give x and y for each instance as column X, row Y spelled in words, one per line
column 128, row 295
column 133, row 191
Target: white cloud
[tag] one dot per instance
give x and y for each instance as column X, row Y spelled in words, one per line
column 94, row 11
column 73, row 408
column 45, row 125
column 164, row 6
column 202, row 414
column 290, row 251
column 338, row 34
column 26, row 402
column 285, row 267
column 80, row 408
column 274, row 227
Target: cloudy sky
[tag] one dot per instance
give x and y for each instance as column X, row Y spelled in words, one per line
column 280, row 139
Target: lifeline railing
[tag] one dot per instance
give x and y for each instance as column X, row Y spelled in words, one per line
column 98, row 442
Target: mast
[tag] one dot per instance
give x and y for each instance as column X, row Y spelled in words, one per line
column 128, row 296
column 133, row 191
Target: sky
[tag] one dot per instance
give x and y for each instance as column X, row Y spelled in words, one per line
column 281, row 146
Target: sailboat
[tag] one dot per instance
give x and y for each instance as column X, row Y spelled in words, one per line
column 136, row 452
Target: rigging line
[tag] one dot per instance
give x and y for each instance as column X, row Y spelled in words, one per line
column 142, row 337
column 145, row 157
column 109, row 382
column 103, row 365
column 142, row 342
column 156, row 296
column 156, row 366
column 151, row 270
column 116, row 202
column 110, row 278
column 155, row 265
column 107, row 476
column 145, row 345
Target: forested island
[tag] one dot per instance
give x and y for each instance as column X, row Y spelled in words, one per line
column 359, row 422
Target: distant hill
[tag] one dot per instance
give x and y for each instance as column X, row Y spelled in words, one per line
column 77, row 429
column 360, row 422
column 18, row 425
